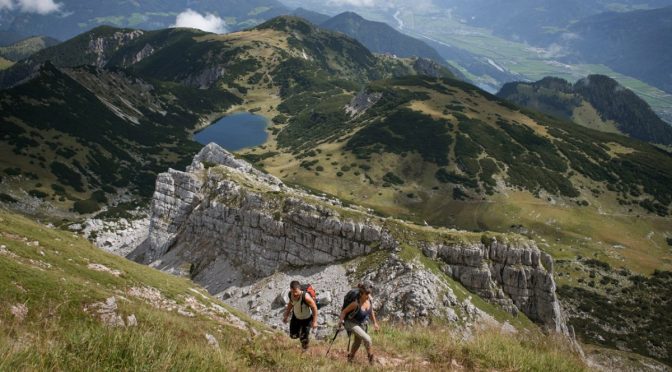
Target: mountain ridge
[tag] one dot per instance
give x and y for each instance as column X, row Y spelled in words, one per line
column 396, row 135
column 208, row 76
column 618, row 109
column 380, row 37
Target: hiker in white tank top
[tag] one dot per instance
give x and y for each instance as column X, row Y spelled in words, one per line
column 303, row 308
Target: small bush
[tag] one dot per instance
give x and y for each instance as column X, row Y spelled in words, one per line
column 86, row 206
column 99, row 196
column 4, row 198
column 393, row 179
column 38, row 194
column 592, row 262
column 13, row 171
column 279, row 119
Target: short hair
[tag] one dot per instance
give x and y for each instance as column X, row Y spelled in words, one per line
column 294, row 284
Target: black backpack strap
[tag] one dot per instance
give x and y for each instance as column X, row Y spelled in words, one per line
column 352, row 314
column 303, row 298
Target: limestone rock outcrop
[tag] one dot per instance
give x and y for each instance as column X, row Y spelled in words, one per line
column 230, row 226
column 518, row 276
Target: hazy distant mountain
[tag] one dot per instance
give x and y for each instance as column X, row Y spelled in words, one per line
column 537, row 21
column 597, row 102
column 380, row 37
column 314, row 17
column 77, row 16
column 635, row 43
column 24, row 48
column 110, row 108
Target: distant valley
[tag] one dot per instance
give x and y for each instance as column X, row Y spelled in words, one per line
column 384, row 149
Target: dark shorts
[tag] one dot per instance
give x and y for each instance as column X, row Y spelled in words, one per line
column 300, row 328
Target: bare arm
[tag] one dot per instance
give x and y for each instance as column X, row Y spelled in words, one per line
column 288, row 310
column 373, row 317
column 347, row 310
column 313, row 306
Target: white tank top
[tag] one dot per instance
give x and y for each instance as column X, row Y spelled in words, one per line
column 301, row 310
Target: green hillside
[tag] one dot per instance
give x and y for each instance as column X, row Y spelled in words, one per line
column 26, row 47
column 379, row 37
column 393, row 134
column 443, row 152
column 65, row 305
column 597, row 102
column 63, row 143
column 5, row 63
column 71, row 130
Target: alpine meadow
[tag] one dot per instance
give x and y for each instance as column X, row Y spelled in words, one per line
column 335, row 185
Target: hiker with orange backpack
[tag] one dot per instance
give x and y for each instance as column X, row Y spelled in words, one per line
column 303, row 306
column 357, row 310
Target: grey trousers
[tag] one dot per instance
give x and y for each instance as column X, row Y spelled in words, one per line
column 360, row 336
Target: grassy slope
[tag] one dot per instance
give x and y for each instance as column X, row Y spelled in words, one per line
column 5, row 63
column 26, row 47
column 596, row 102
column 257, row 67
column 54, row 282
column 600, row 228
column 620, row 235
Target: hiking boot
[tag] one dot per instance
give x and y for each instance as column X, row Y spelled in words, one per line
column 371, row 359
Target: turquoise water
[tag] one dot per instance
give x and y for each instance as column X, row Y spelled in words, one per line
column 235, row 132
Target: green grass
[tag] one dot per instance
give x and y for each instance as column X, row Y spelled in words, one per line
column 527, row 351
column 55, row 284
column 5, row 63
column 638, row 305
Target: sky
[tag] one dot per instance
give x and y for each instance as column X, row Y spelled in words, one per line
column 31, row 6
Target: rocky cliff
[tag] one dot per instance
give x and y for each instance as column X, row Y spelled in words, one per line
column 233, row 228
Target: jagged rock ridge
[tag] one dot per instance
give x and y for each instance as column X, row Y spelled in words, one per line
column 223, row 220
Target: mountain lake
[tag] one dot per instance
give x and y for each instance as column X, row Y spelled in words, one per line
column 235, row 132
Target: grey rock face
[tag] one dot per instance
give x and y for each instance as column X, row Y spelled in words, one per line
column 205, row 78
column 408, row 292
column 102, row 47
column 427, row 67
column 516, row 276
column 145, row 52
column 362, row 102
column 203, row 216
column 229, row 225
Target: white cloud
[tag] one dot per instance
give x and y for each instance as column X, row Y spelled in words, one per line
column 31, row 6
column 39, row 6
column 208, row 22
column 6, row 4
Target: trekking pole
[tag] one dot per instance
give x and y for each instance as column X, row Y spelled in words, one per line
column 333, row 339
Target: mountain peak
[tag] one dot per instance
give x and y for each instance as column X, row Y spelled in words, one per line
column 350, row 15
column 288, row 23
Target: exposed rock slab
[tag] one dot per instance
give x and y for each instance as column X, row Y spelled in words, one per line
column 228, row 225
